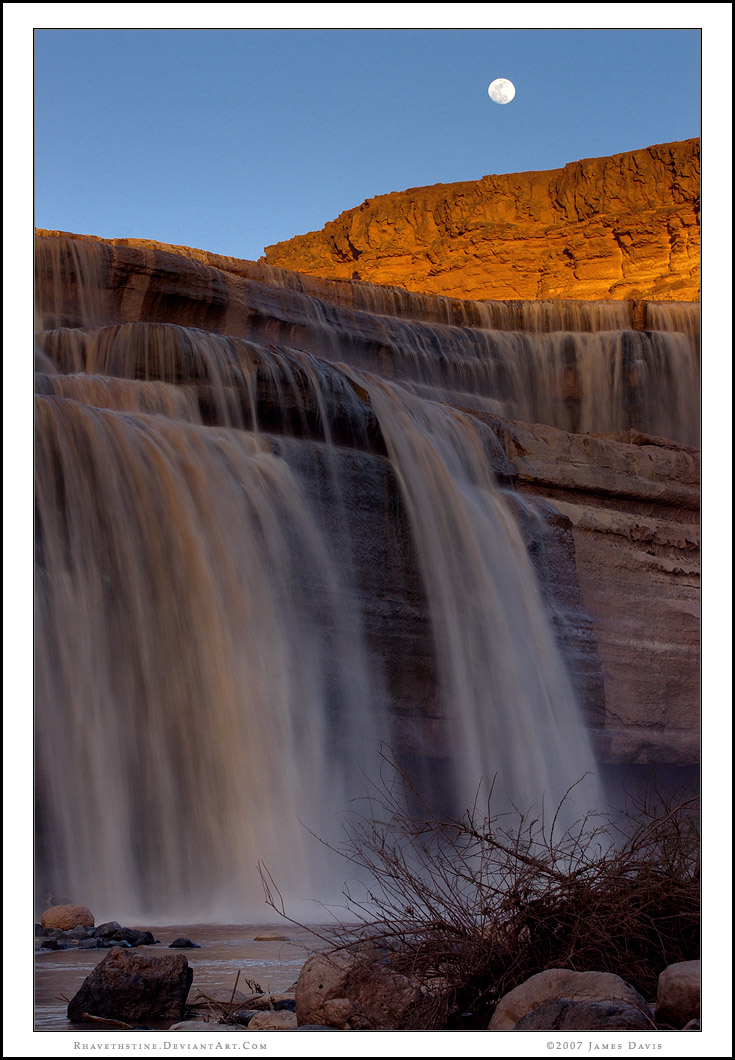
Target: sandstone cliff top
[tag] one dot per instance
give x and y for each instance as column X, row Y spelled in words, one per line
column 623, row 226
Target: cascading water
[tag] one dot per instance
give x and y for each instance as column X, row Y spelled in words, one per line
column 579, row 366
column 201, row 682
column 256, row 564
column 510, row 707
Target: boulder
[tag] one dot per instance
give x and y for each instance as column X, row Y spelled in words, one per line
column 184, row 944
column 107, row 930
column 678, row 994
column 560, row 1014
column 359, row 990
column 131, row 986
column 66, row 917
column 562, row 983
column 273, row 1021
column 134, row 937
column 79, row 933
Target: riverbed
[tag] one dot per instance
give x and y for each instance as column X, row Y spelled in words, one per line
column 273, row 964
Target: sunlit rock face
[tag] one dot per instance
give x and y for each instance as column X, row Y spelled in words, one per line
column 621, row 227
column 284, row 520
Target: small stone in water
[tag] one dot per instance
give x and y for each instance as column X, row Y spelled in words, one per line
column 106, row 931
column 79, row 932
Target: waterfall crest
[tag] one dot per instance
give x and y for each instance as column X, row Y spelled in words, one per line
column 263, row 555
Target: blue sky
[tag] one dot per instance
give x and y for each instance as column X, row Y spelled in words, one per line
column 230, row 140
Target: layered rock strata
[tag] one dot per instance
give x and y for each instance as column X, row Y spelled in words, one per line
column 621, row 227
column 615, row 544
column 630, row 502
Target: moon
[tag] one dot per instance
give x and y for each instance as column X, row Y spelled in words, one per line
column 501, row 90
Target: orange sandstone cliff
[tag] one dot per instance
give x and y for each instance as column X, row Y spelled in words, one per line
column 621, row 227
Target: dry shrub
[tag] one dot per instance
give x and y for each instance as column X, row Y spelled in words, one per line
column 472, row 907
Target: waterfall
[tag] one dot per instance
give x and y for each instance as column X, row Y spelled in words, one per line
column 201, row 681
column 579, row 366
column 259, row 559
column 509, row 704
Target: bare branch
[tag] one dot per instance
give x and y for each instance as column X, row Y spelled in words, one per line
column 481, row 902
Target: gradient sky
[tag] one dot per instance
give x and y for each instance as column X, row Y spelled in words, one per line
column 230, row 140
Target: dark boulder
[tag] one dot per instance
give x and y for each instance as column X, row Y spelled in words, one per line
column 560, row 1014
column 79, row 932
column 108, row 930
column 134, row 987
column 133, row 937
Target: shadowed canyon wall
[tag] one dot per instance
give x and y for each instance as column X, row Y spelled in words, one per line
column 626, row 226
column 283, row 519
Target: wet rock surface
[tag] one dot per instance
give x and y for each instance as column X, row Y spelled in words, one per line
column 104, row 936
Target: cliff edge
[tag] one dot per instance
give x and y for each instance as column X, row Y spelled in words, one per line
column 621, row 227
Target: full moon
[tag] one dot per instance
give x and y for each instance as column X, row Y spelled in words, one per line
column 501, row 90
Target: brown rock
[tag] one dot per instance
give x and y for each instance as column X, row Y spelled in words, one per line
column 626, row 226
column 273, row 1021
column 66, row 917
column 562, row 983
column 130, row 986
column 356, row 991
column 678, row 994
